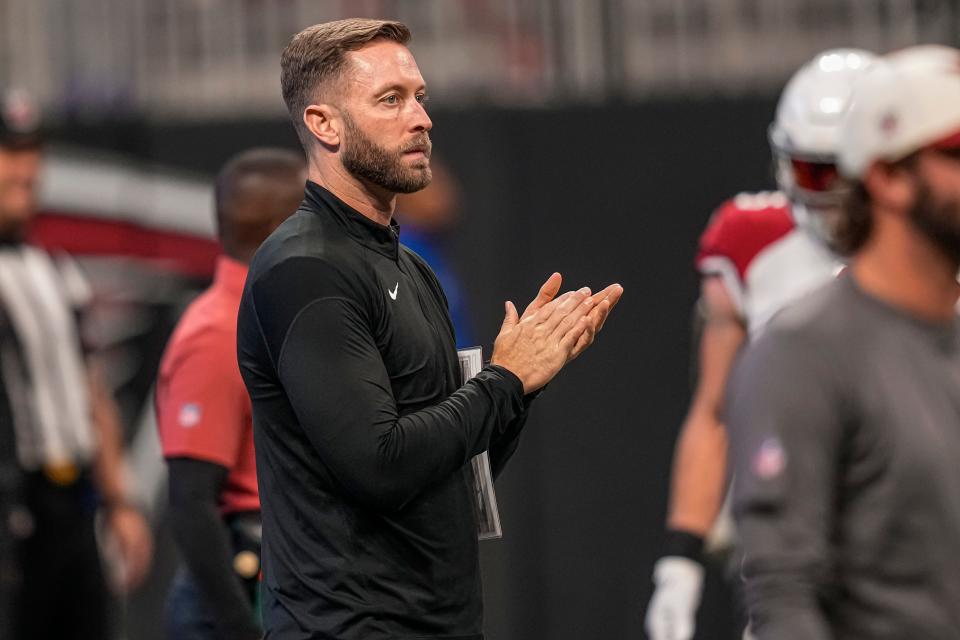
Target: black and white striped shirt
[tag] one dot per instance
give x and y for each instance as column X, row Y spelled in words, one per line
column 42, row 367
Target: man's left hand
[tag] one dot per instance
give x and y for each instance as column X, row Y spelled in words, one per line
column 134, row 543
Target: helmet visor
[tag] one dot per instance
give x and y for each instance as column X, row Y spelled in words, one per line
column 816, row 177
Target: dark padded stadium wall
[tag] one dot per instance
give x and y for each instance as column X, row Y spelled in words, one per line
column 602, row 194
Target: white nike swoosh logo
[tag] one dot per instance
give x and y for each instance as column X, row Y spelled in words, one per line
column 393, row 294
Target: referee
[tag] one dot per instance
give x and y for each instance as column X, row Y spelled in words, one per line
column 364, row 433
column 61, row 459
column 845, row 414
column 204, row 415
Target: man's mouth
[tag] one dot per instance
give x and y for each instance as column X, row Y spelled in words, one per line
column 418, row 150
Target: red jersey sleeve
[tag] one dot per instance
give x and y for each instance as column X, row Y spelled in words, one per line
column 202, row 404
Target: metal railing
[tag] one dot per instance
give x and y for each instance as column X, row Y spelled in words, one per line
column 220, row 58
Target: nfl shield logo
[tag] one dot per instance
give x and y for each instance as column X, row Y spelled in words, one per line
column 190, row 415
column 770, row 459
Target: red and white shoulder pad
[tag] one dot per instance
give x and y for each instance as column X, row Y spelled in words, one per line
column 738, row 231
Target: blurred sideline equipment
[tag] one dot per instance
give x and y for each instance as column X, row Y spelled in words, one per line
column 843, row 415
column 205, row 420
column 759, row 253
column 66, row 462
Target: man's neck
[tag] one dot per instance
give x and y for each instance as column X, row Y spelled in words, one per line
column 371, row 201
column 909, row 272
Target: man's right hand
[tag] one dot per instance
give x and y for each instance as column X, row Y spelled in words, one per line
column 551, row 332
column 672, row 613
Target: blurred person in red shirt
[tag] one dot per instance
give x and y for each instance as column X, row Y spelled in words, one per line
column 61, row 447
column 204, row 414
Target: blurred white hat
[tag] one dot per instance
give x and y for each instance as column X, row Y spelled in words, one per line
column 907, row 100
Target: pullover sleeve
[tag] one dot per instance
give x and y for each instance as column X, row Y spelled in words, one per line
column 786, row 426
column 335, row 379
column 505, row 445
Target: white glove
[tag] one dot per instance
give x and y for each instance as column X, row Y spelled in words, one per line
column 672, row 613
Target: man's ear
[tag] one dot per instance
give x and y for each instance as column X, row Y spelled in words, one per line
column 324, row 123
column 892, row 187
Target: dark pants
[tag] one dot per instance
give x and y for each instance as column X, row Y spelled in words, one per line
column 186, row 615
column 61, row 593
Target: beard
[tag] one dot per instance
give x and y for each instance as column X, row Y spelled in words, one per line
column 13, row 226
column 365, row 159
column 12, row 233
column 938, row 220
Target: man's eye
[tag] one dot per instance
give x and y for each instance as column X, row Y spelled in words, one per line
column 392, row 99
column 423, row 98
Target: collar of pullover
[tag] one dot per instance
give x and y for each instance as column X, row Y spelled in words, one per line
column 382, row 239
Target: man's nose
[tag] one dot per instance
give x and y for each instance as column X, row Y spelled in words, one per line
column 419, row 120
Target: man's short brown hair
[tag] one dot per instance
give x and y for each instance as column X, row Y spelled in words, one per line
column 316, row 58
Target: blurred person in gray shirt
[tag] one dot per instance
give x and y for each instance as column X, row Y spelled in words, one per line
column 845, row 415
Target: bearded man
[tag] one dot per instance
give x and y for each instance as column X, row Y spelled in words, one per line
column 845, row 413
column 364, row 433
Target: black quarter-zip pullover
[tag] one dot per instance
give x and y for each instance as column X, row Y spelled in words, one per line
column 364, row 433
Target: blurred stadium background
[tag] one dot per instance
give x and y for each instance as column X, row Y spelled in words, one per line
column 590, row 137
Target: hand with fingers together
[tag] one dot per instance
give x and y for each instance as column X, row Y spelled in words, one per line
column 552, row 331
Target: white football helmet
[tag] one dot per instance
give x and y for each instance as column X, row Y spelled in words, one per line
column 806, row 132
